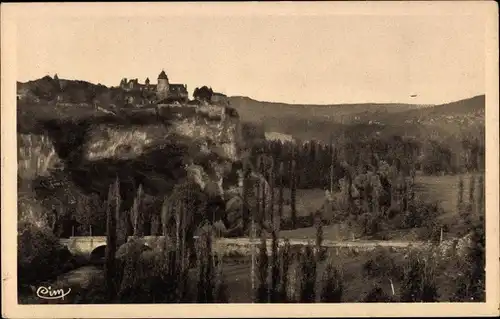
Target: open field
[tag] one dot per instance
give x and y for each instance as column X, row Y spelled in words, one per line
column 308, row 201
column 444, row 189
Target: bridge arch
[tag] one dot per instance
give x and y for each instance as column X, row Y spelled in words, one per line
column 98, row 253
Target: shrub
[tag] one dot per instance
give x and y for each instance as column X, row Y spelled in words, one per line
column 39, row 253
column 34, row 213
column 377, row 294
column 381, row 264
column 94, row 293
column 419, row 283
column 421, row 214
column 151, row 278
column 469, row 271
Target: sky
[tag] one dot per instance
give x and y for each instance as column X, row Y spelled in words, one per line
column 314, row 59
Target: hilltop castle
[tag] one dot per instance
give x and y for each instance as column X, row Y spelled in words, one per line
column 165, row 91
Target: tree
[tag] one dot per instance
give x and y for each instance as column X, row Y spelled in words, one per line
column 90, row 210
column 112, row 213
column 472, row 191
column 182, row 214
column 285, row 259
column 460, row 199
column 262, row 293
column 210, row 281
column 204, row 93
column 293, row 193
column 333, row 287
column 480, row 198
column 37, row 252
column 280, row 194
column 136, row 212
column 308, row 276
column 471, row 283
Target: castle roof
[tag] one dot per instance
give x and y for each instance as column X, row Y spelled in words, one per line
column 178, row 88
column 219, row 94
column 162, row 76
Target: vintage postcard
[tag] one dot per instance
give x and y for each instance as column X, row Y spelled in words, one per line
column 274, row 159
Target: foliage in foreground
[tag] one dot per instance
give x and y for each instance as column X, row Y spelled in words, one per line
column 40, row 256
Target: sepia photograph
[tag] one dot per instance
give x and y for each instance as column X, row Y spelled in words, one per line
column 342, row 154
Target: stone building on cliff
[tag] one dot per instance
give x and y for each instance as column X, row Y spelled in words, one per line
column 164, row 91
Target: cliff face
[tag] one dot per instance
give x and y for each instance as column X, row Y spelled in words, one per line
column 156, row 148
column 167, row 148
column 207, row 134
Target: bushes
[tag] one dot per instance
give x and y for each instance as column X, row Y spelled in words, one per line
column 40, row 256
column 419, row 280
column 381, row 264
column 32, row 212
column 377, row 295
column 470, row 270
column 151, row 278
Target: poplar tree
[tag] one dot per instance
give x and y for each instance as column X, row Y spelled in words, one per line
column 281, row 193
column 460, row 195
column 262, row 290
column 481, row 198
column 135, row 212
column 332, row 285
column 472, row 191
column 112, row 211
column 308, row 276
column 293, row 194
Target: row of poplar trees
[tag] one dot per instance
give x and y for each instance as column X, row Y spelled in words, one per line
column 164, row 278
column 278, row 273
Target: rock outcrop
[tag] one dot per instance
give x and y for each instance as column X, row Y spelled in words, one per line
column 157, row 148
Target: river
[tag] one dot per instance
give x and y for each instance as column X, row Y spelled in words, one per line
column 76, row 280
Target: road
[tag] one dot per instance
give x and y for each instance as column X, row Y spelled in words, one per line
column 242, row 245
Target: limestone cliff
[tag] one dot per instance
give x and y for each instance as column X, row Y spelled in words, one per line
column 157, row 148
column 177, row 141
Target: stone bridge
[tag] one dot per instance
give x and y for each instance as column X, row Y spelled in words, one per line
column 94, row 247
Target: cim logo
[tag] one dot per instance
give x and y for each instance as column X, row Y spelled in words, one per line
column 51, row 294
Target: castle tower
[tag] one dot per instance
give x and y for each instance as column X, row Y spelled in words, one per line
column 163, row 86
column 57, row 83
column 123, row 83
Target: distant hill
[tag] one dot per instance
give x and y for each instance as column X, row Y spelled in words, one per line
column 466, row 116
column 303, row 121
column 462, row 109
column 254, row 111
column 323, row 121
column 48, row 89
